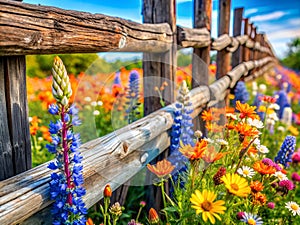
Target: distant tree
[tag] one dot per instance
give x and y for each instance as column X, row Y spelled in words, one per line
column 292, row 60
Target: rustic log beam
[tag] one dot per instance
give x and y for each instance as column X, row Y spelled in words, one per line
column 196, row 38
column 34, row 29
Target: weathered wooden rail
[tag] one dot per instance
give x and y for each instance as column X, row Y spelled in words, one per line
column 35, row 29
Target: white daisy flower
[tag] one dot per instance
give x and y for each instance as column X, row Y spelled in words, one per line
column 274, row 106
column 93, row 103
column 255, row 123
column 246, row 171
column 273, row 116
column 87, row 99
column 281, row 176
column 222, row 141
column 263, row 149
column 293, row 207
column 100, row 103
column 232, row 116
column 256, row 142
column 208, row 140
column 96, row 113
column 281, row 128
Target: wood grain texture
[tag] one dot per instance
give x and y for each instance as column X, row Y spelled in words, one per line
column 223, row 56
column 201, row 56
column 35, row 29
column 237, row 31
column 15, row 139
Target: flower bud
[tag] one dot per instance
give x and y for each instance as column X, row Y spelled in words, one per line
column 107, row 191
column 153, row 216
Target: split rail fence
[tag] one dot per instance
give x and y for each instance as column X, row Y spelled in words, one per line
column 34, row 29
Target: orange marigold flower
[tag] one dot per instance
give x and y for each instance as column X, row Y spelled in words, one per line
column 207, row 115
column 251, row 150
column 259, row 198
column 153, row 216
column 263, row 169
column 246, row 130
column 107, row 191
column 162, row 168
column 246, row 110
column 256, row 186
column 34, row 125
column 211, row 155
column 194, row 153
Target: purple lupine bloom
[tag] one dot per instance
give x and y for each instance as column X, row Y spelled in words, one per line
column 240, row 93
column 284, row 155
column 133, row 97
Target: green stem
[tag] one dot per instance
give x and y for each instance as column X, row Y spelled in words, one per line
column 164, row 197
column 138, row 215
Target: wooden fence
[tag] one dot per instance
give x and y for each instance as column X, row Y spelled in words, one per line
column 35, row 29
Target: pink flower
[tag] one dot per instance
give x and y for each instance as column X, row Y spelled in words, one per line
column 287, row 184
column 296, row 156
column 240, row 215
column 271, row 205
column 296, row 177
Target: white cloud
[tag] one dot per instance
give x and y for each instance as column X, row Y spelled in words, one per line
column 295, row 22
column 250, row 11
column 269, row 16
column 284, row 33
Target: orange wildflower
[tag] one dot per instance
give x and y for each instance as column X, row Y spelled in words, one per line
column 256, row 186
column 107, row 191
column 34, row 125
column 162, row 168
column 214, row 127
column 89, row 222
column 246, row 110
column 207, row 115
column 251, row 150
column 246, row 130
column 263, row 169
column 153, row 216
column 194, row 153
column 259, row 198
column 211, row 155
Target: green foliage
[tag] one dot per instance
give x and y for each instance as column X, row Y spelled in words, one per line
column 39, row 66
column 183, row 59
column 292, row 60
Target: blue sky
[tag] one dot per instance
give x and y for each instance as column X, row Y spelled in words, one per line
column 280, row 20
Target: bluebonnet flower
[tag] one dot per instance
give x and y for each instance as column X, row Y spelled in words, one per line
column 284, row 155
column 117, row 79
column 240, row 93
column 66, row 184
column 132, row 97
column 282, row 101
column 181, row 128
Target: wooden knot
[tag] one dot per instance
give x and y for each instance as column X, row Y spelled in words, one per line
column 122, row 41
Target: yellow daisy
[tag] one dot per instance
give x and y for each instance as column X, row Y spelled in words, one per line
column 236, row 185
column 204, row 203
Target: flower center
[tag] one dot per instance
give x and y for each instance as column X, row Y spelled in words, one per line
column 294, row 207
column 206, row 206
column 251, row 221
column 234, row 187
column 246, row 172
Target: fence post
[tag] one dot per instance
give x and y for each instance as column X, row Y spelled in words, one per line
column 246, row 51
column 237, row 29
column 15, row 149
column 162, row 66
column 201, row 56
column 223, row 56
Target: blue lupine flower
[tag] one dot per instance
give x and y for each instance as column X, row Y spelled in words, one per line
column 53, row 109
column 68, row 207
column 117, row 79
column 133, row 97
column 240, row 93
column 282, row 101
column 284, row 155
column 181, row 129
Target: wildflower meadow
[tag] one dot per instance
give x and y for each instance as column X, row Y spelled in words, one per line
column 243, row 170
